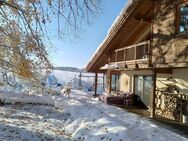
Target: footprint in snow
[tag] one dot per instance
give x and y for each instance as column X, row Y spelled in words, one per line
column 102, row 138
column 106, row 130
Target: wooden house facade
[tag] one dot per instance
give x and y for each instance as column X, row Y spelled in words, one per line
column 146, row 52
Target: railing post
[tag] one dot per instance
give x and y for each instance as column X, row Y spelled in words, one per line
column 124, row 55
column 135, row 55
column 108, row 77
column 150, row 53
column 103, row 82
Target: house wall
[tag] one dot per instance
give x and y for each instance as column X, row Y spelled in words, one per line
column 127, row 79
column 161, row 81
column 169, row 48
column 179, row 75
column 166, row 105
column 170, row 105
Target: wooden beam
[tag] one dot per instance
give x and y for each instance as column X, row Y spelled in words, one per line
column 116, row 56
column 138, row 24
column 154, row 1
column 103, row 83
column 109, row 78
column 143, row 35
column 135, row 54
column 164, row 70
column 152, row 110
column 96, row 79
column 142, row 19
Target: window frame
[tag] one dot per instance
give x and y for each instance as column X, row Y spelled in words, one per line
column 178, row 17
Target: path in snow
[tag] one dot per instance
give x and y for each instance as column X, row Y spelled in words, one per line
column 98, row 121
column 78, row 118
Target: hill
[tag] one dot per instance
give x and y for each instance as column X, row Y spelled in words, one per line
column 70, row 69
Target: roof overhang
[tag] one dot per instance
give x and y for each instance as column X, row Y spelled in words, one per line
column 133, row 21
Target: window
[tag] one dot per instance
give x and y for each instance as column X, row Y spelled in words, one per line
column 115, row 82
column 143, row 86
column 183, row 18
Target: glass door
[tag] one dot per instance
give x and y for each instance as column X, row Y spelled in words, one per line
column 115, row 82
column 143, row 88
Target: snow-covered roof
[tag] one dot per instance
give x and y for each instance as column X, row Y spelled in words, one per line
column 118, row 18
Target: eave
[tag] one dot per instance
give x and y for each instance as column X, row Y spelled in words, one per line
column 123, row 30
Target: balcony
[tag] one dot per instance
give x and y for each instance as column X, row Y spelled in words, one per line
column 132, row 56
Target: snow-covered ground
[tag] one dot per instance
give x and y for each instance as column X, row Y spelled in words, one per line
column 78, row 118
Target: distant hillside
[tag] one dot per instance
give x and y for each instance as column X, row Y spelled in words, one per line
column 71, row 69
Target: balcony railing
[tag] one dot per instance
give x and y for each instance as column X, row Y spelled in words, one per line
column 136, row 52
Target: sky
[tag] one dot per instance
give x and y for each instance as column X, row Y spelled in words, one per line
column 77, row 52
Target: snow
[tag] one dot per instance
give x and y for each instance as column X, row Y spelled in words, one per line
column 53, row 83
column 64, row 77
column 27, row 99
column 80, row 117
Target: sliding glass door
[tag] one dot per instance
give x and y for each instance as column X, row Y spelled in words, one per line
column 143, row 88
column 115, row 82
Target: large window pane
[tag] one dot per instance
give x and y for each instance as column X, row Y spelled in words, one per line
column 143, row 88
column 139, row 85
column 115, row 82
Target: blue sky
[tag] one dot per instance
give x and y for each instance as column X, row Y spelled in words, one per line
column 77, row 52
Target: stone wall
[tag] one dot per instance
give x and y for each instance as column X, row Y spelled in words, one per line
column 169, row 47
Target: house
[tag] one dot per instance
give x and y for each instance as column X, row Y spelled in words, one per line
column 146, row 52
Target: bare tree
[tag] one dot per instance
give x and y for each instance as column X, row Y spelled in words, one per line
column 23, row 33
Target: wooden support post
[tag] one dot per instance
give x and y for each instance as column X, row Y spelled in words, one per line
column 108, row 78
column 124, row 55
column 103, row 81
column 96, row 79
column 152, row 111
column 151, row 44
column 135, row 55
column 116, row 59
column 108, row 81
